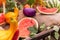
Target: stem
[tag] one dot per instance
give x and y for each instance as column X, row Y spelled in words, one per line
column 15, row 3
column 3, row 7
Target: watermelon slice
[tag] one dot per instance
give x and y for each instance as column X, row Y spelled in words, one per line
column 45, row 10
column 24, row 24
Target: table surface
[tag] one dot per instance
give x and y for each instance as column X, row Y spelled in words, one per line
column 47, row 19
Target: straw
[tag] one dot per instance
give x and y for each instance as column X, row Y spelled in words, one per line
column 3, row 7
column 15, row 4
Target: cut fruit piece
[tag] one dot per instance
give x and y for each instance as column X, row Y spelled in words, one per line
column 45, row 10
column 24, row 24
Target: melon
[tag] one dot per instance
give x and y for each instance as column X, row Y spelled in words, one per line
column 24, row 24
column 45, row 10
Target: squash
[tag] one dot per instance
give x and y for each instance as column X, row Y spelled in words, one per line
column 9, row 33
column 16, row 11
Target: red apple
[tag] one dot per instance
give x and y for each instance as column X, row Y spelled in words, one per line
column 2, row 18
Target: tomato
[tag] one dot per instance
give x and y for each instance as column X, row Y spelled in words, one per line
column 2, row 18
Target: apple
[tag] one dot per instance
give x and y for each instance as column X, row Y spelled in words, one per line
column 2, row 18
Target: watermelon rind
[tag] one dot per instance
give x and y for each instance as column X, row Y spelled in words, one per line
column 46, row 12
column 29, row 18
column 35, row 21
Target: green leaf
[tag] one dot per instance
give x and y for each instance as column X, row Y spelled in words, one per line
column 56, row 3
column 50, row 4
column 33, row 31
column 56, row 28
column 47, row 4
column 42, row 27
column 56, row 35
column 59, row 7
column 10, row 5
column 23, row 2
column 30, row 2
column 20, row 6
column 53, row 3
column 32, row 35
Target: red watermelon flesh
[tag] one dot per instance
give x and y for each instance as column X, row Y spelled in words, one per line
column 24, row 25
column 47, row 10
column 50, row 10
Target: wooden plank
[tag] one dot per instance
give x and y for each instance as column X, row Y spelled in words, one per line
column 42, row 35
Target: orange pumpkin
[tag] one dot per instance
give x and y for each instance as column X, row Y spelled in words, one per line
column 26, row 6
